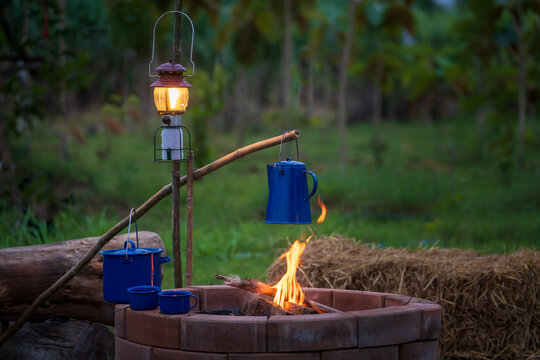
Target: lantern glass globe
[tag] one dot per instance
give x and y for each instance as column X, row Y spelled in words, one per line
column 171, row 100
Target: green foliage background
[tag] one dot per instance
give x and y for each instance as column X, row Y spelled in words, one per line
column 450, row 165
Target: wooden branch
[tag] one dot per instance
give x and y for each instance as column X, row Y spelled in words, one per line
column 141, row 210
column 321, row 308
column 246, row 150
column 251, row 285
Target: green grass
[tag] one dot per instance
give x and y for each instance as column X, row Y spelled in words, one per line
column 431, row 189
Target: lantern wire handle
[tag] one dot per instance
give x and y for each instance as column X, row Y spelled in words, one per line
column 154, row 42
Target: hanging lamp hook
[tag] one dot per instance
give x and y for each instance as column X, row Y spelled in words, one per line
column 154, row 42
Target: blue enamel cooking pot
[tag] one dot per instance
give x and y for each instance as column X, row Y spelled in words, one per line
column 130, row 266
column 288, row 198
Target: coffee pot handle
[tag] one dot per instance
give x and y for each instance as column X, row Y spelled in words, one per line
column 315, row 184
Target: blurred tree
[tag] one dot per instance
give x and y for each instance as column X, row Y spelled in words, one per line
column 382, row 38
column 34, row 37
column 342, row 96
column 247, row 32
column 207, row 101
column 492, row 67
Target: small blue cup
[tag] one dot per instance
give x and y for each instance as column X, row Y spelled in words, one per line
column 144, row 297
column 175, row 301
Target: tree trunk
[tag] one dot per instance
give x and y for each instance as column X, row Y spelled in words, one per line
column 240, row 106
column 28, row 270
column 7, row 167
column 342, row 97
column 287, row 63
column 522, row 83
column 61, row 339
column 62, row 98
column 177, row 43
column 310, row 88
column 377, row 93
column 480, row 124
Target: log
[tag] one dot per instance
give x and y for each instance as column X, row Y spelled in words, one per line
column 259, row 287
column 28, row 270
column 60, row 339
column 260, row 305
column 252, row 285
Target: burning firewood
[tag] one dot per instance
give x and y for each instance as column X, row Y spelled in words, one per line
column 251, row 285
column 287, row 293
column 268, row 292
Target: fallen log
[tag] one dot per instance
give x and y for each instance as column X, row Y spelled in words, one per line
column 60, row 339
column 28, row 270
column 259, row 287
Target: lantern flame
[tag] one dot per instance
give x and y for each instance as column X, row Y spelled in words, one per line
column 323, row 210
column 288, row 290
column 174, row 95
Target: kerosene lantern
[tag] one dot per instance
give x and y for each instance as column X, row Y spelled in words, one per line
column 171, row 97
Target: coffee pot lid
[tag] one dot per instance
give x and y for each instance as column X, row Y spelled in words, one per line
column 289, row 162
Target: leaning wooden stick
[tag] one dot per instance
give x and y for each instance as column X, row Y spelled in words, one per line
column 141, row 210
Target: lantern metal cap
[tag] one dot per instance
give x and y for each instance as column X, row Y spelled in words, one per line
column 170, row 67
column 170, row 75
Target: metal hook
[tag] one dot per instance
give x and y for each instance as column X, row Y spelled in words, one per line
column 281, row 145
column 154, row 42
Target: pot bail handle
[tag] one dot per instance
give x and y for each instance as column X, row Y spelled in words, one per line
column 281, row 145
column 315, row 184
column 126, row 243
column 134, row 214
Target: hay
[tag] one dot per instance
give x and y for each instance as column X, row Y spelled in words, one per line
column 490, row 303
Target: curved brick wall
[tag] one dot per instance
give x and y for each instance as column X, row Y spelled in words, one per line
column 371, row 326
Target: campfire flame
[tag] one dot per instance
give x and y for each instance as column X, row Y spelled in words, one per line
column 323, row 210
column 288, row 290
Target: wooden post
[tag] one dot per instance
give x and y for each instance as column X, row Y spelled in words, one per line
column 189, row 220
column 177, row 252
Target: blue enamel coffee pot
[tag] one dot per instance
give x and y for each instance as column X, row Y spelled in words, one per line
column 288, row 198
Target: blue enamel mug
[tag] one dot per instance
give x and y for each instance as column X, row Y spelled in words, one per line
column 144, row 297
column 175, row 301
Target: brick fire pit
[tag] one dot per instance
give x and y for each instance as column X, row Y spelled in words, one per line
column 371, row 326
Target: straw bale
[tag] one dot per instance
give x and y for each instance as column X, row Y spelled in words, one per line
column 490, row 303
